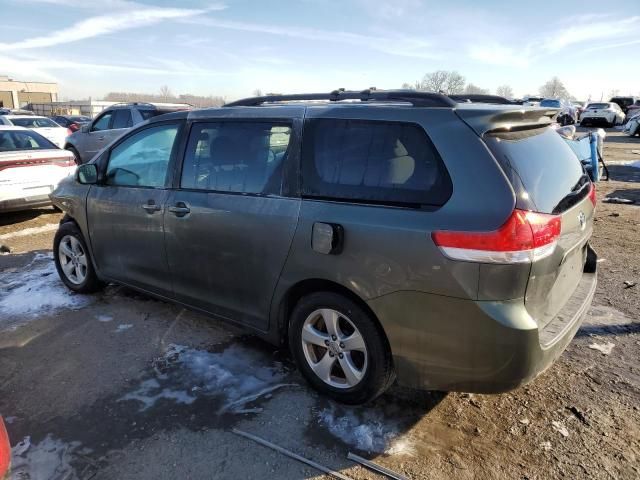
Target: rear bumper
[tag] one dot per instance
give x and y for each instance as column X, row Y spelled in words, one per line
column 451, row 344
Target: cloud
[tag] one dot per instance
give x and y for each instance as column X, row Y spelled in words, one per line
column 397, row 45
column 105, row 24
column 577, row 30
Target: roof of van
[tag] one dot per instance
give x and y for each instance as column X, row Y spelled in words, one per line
column 481, row 112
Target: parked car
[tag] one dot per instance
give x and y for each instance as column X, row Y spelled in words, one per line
column 5, row 451
column 30, row 168
column 71, row 122
column 632, row 127
column 608, row 113
column 13, row 111
column 624, row 102
column 531, row 101
column 110, row 124
column 45, row 126
column 567, row 114
column 408, row 235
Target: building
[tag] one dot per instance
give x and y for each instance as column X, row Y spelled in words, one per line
column 17, row 94
column 90, row 108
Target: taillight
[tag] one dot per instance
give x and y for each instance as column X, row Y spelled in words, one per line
column 69, row 131
column 524, row 237
column 592, row 194
column 74, row 127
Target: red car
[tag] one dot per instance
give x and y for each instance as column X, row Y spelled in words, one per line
column 5, row 451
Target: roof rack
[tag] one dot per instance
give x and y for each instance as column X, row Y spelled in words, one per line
column 480, row 98
column 417, row 99
column 119, row 104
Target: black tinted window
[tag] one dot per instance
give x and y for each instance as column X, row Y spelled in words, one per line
column 373, row 161
column 122, row 119
column 11, row 140
column 241, row 157
column 542, row 168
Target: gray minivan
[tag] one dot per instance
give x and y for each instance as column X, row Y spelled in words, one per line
column 381, row 234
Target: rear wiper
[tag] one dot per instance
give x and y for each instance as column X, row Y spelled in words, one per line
column 572, row 197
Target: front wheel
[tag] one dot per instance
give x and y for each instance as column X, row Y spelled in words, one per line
column 72, row 260
column 339, row 348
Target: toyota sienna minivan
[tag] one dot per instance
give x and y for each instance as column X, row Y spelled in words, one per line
column 382, row 234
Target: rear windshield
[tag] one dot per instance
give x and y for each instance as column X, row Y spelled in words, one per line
column 13, row 140
column 545, row 173
column 595, row 106
column 30, row 122
column 550, row 103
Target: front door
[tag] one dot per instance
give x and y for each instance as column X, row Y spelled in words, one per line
column 229, row 227
column 125, row 213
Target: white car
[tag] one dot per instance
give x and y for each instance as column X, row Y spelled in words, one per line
column 607, row 112
column 632, row 127
column 45, row 126
column 30, row 168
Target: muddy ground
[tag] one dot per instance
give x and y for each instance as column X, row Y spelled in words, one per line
column 116, row 385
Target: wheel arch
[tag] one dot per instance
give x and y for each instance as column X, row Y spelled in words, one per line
column 308, row 286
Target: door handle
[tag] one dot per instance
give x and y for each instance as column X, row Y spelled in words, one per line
column 180, row 209
column 151, row 207
column 100, row 139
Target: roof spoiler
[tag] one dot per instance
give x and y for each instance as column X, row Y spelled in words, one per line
column 480, row 98
column 483, row 120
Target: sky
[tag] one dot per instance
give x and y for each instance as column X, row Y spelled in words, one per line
column 231, row 48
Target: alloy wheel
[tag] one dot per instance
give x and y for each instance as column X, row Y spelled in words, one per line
column 73, row 259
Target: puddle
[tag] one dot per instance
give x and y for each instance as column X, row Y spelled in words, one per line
column 33, row 290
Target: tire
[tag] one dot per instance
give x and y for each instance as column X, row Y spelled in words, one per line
column 75, row 154
column 80, row 276
column 371, row 371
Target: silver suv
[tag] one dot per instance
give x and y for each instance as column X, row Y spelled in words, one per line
column 110, row 124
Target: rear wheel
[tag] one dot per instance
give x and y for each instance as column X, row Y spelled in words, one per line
column 76, row 155
column 72, row 260
column 339, row 348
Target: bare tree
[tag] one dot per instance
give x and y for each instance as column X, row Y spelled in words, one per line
column 474, row 89
column 554, row 88
column 447, row 82
column 411, row 86
column 257, row 92
column 195, row 100
column 614, row 92
column 165, row 92
column 504, row 91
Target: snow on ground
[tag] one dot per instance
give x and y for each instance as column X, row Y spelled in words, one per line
column 104, row 318
column 236, row 376
column 122, row 327
column 48, row 460
column 365, row 429
column 33, row 290
column 49, row 227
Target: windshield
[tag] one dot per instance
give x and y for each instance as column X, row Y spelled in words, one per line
column 545, row 173
column 550, row 103
column 13, row 140
column 34, row 122
column 594, row 106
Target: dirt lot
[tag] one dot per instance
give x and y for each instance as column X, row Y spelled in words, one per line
column 116, row 385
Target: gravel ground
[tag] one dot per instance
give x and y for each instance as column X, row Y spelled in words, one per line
column 116, row 385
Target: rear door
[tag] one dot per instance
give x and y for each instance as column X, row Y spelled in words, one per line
column 125, row 212
column 230, row 223
column 548, row 178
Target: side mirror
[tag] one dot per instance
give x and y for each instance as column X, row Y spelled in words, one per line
column 85, row 128
column 87, row 174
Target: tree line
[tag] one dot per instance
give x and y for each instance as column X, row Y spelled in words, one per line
column 453, row 83
column 165, row 95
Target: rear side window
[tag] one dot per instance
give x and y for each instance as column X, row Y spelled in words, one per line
column 545, row 173
column 373, row 162
column 238, row 157
column 122, row 118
